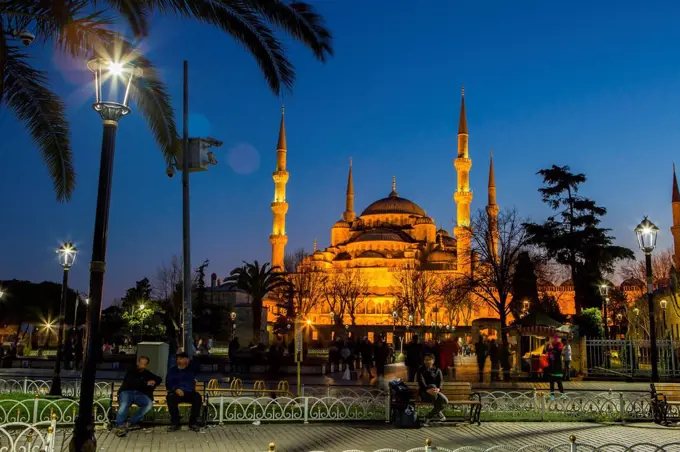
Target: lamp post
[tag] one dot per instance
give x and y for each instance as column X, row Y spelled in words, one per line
column 394, row 321
column 525, row 307
column 604, row 291
column 663, row 304
column 67, row 257
column 1, row 295
column 110, row 112
column 232, row 316
column 646, row 233
column 636, row 312
column 75, row 314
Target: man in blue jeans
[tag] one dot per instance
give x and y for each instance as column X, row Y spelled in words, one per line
column 137, row 389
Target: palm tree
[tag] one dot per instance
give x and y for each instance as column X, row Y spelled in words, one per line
column 257, row 281
column 81, row 28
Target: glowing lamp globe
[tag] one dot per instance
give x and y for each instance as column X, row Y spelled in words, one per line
column 646, row 233
column 114, row 78
column 67, row 255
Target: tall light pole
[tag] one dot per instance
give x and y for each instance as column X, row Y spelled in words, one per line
column 2, row 293
column 75, row 314
column 646, row 233
column 110, row 112
column 604, row 292
column 663, row 304
column 67, row 257
column 195, row 157
column 232, row 316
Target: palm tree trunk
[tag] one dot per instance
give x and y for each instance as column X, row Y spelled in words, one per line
column 257, row 320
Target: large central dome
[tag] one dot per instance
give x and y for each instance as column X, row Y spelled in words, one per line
column 394, row 204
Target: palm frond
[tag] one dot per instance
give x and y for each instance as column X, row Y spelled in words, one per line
column 153, row 101
column 246, row 26
column 299, row 20
column 3, row 58
column 135, row 12
column 45, row 117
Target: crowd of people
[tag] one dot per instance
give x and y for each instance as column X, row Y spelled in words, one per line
column 348, row 354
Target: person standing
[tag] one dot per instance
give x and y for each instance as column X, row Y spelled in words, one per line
column 136, row 389
column 181, row 386
column 414, row 357
column 566, row 356
column 430, row 380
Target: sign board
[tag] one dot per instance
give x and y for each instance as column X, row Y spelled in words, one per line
column 298, row 344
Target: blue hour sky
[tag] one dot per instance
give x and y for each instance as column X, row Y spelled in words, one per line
column 593, row 85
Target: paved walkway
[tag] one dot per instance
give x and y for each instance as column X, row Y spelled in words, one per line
column 336, row 437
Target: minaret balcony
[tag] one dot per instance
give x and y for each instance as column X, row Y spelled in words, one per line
column 463, row 197
column 278, row 239
column 280, row 177
column 462, row 164
column 279, row 207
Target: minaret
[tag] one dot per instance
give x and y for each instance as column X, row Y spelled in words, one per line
column 492, row 210
column 349, row 214
column 278, row 237
column 463, row 194
column 675, row 229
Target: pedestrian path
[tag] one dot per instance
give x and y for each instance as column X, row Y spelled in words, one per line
column 337, row 437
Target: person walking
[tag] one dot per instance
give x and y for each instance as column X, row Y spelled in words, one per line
column 493, row 358
column 555, row 368
column 480, row 351
column 380, row 355
column 566, row 356
column 414, row 357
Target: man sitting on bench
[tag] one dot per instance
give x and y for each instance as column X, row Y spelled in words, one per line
column 429, row 380
column 181, row 384
column 136, row 389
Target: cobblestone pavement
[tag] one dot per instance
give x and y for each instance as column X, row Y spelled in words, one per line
column 338, row 437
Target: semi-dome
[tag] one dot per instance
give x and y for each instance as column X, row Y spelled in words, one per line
column 380, row 235
column 424, row 220
column 341, row 224
column 371, row 254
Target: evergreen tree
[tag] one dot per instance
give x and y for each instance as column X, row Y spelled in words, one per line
column 573, row 235
column 524, row 285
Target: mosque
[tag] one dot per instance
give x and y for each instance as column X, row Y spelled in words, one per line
column 393, row 233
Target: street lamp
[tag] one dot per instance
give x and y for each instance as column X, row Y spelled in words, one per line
column 646, row 233
column 233, row 324
column 110, row 111
column 663, row 304
column 525, row 306
column 67, row 257
column 604, row 291
column 75, row 314
column 394, row 321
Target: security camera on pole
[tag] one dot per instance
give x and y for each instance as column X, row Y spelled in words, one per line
column 195, row 157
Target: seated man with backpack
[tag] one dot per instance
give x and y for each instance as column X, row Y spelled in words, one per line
column 429, row 380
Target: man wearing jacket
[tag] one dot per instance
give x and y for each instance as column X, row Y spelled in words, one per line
column 181, row 384
column 429, row 380
column 137, row 389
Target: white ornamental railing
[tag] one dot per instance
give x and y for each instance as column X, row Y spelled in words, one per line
column 24, row 437
column 335, row 403
column 69, row 388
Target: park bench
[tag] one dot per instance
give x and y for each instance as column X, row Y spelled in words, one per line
column 665, row 402
column 160, row 395
column 236, row 389
column 460, row 394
